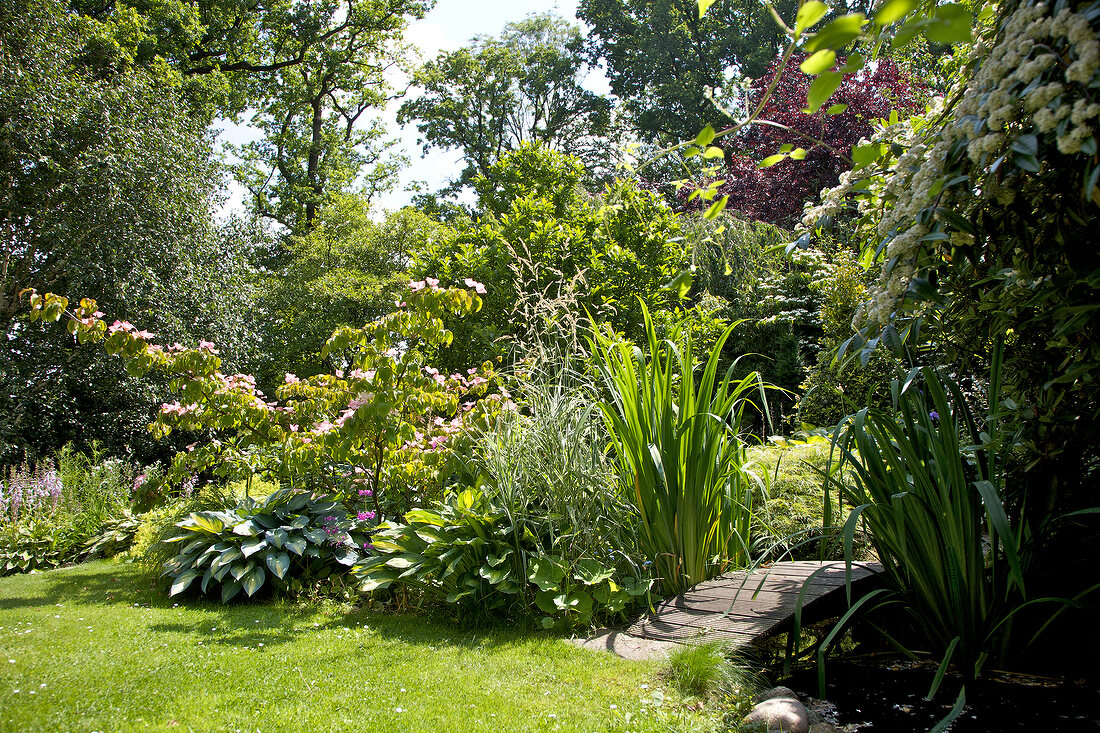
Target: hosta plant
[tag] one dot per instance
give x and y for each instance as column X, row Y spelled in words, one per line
column 468, row 552
column 33, row 544
column 115, row 536
column 287, row 536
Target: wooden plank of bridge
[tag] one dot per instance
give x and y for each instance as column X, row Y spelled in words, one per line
column 740, row 607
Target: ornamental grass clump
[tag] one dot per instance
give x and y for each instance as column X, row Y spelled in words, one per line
column 679, row 454
column 543, row 532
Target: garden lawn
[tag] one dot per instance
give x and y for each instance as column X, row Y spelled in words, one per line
column 98, row 647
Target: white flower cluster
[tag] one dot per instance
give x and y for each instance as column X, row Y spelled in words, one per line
column 1038, row 77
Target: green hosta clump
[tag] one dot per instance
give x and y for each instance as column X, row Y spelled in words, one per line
column 287, row 537
column 468, row 551
column 30, row 545
column 115, row 536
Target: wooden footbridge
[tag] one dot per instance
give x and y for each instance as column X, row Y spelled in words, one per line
column 738, row 608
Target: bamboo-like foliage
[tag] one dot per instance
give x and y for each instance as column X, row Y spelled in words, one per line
column 927, row 485
column 678, row 452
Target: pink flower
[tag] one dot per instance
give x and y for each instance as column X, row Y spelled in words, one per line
column 415, row 286
column 293, row 428
column 322, row 427
column 478, row 287
column 144, row 335
column 207, row 346
column 120, row 326
column 432, row 283
column 291, row 379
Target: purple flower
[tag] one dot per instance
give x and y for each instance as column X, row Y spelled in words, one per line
column 934, row 415
column 366, row 492
column 364, row 516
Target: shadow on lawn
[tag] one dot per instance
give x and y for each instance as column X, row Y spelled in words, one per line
column 105, row 584
column 250, row 622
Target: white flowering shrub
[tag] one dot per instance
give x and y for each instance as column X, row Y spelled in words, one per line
column 981, row 215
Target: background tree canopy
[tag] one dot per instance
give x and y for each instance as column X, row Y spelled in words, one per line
column 661, row 57
column 107, row 188
column 524, row 87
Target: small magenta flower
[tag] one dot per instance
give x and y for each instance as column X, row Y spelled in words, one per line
column 366, row 492
column 329, row 526
column 364, row 516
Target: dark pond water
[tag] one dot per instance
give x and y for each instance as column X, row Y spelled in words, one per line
column 889, row 697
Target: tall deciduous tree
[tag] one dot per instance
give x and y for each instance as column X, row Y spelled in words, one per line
column 524, row 87
column 310, row 70
column 319, row 136
column 107, row 185
column 661, row 57
column 103, row 177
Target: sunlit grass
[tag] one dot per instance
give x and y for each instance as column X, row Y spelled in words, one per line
column 98, row 648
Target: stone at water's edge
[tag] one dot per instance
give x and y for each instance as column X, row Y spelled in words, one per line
column 779, row 710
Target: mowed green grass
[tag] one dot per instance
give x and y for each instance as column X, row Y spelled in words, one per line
column 98, row 647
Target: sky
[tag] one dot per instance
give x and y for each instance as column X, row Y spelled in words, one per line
column 448, row 26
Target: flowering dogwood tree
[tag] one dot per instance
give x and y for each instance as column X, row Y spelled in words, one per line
column 382, row 421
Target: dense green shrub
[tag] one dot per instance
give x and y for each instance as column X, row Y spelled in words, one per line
column 774, row 297
column 289, row 536
column 833, row 389
column 539, row 232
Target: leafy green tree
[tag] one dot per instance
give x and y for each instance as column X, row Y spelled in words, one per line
column 107, row 185
column 314, row 113
column 499, row 93
column 541, row 240
column 661, row 57
column 310, row 72
column 346, row 271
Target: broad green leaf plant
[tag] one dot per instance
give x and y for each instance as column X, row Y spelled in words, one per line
column 285, row 539
column 471, row 553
